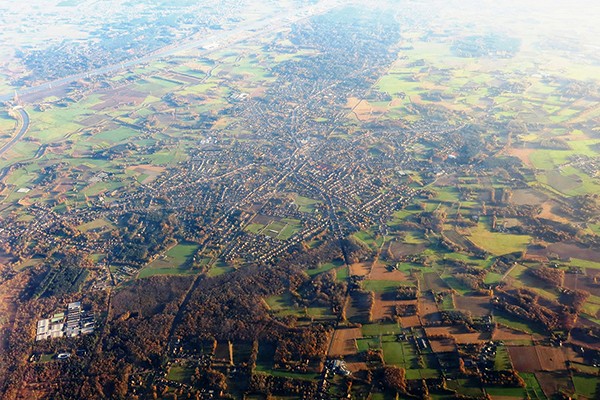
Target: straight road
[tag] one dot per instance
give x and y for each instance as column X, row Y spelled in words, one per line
column 209, row 43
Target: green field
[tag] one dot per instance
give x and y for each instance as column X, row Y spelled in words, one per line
column 306, row 204
column 587, row 385
column 98, row 224
column 368, row 239
column 369, row 330
column 277, row 229
column 217, row 270
column 180, row 373
column 498, row 243
column 533, row 389
column 521, row 278
column 510, row 321
column 325, row 267
column 401, row 354
column 7, row 125
column 383, row 286
column 502, row 361
column 283, row 304
column 255, row 228
column 342, row 274
column 517, row 393
column 172, row 263
column 264, row 364
column 364, row 344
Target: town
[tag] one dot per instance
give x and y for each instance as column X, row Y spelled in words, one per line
column 332, row 202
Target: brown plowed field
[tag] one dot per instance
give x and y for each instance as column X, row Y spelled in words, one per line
column 459, row 333
column 568, row 250
column 432, row 281
column 356, row 366
column 380, row 272
column 386, row 309
column 344, row 342
column 524, row 358
column 399, row 249
column 508, row 334
column 410, row 322
column 477, row 305
column 584, row 282
column 551, row 358
column 522, row 154
column 360, row 269
column 553, row 382
column 428, row 310
column 442, row 345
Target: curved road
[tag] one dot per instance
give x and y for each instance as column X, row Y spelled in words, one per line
column 24, row 119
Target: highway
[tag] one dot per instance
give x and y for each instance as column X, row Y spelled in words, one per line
column 209, row 43
column 24, row 122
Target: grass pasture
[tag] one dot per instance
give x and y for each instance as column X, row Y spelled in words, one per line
column 512, row 322
column 587, row 386
column 370, row 330
column 276, row 228
column 495, row 242
column 180, row 373
column 283, row 304
column 173, row 262
column 532, row 387
column 306, row 204
column 325, row 267
column 97, row 225
column 381, row 286
column 7, row 124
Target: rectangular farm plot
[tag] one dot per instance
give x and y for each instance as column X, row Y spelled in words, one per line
column 496, row 242
column 358, row 307
column 397, row 249
column 551, row 358
column 325, row 267
column 381, row 271
column 478, row 306
column 146, row 173
column 97, row 225
column 344, row 342
column 509, row 335
column 524, row 358
column 502, row 361
column 173, row 262
column 397, row 353
column 384, row 306
column 410, row 322
column 587, row 386
column 284, row 304
column 459, row 333
column 442, row 345
column 428, row 309
column 274, row 227
column 554, row 382
column 432, row 281
column 360, row 269
column 306, row 204
column 381, row 329
column 381, row 286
